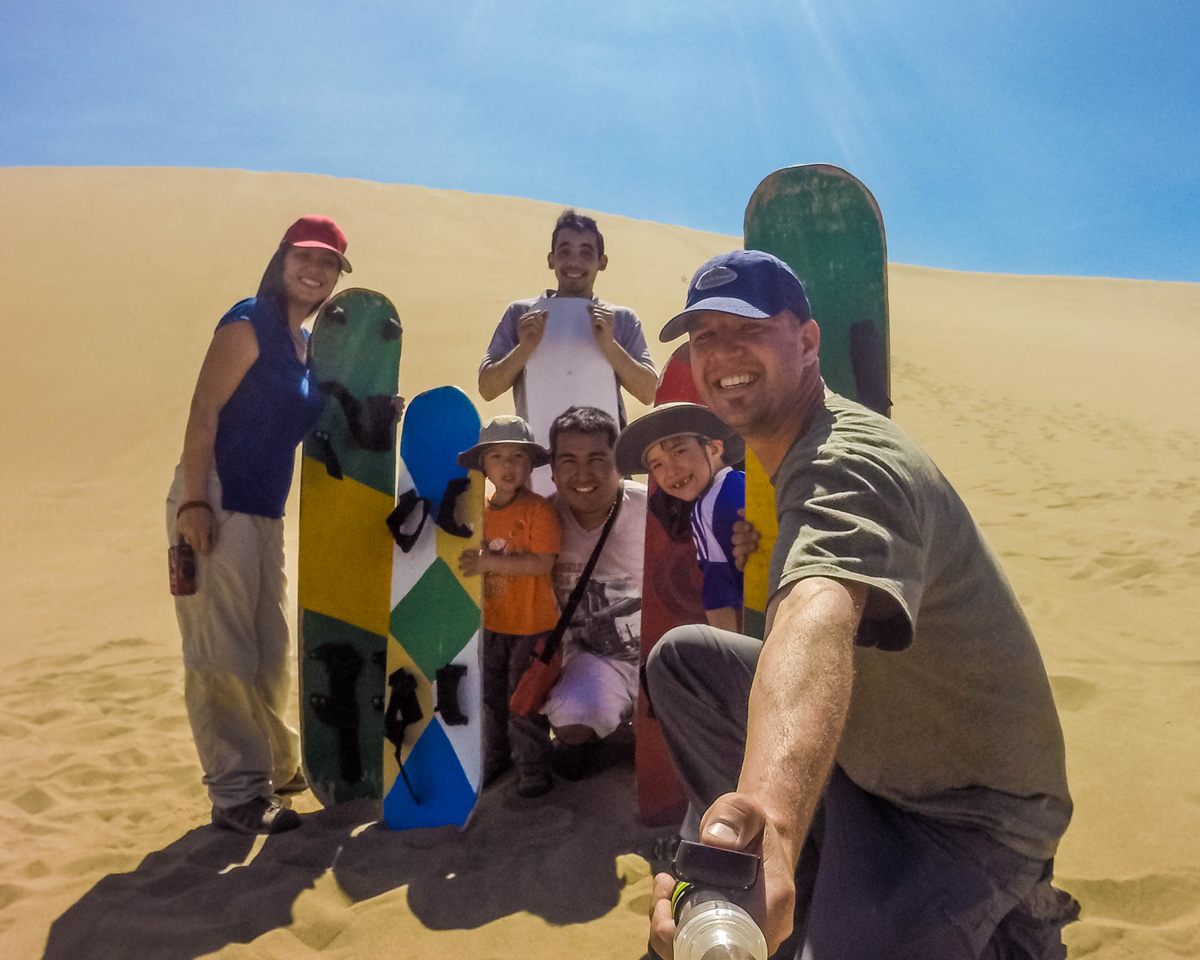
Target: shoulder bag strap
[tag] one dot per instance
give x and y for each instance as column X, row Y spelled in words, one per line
column 568, row 611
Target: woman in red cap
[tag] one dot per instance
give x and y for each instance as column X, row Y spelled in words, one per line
column 255, row 399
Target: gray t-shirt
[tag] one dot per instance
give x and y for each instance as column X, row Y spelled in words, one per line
column 627, row 331
column 951, row 714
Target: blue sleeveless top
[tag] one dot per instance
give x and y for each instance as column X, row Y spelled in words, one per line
column 271, row 410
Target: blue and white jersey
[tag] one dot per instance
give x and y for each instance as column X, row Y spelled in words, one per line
column 713, row 517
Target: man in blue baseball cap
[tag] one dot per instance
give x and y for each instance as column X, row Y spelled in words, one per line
column 891, row 749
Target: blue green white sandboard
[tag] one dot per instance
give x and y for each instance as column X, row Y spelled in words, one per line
column 433, row 720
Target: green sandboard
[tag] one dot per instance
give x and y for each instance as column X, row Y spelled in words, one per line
column 825, row 225
column 347, row 479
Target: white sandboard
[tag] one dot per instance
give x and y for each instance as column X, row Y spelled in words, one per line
column 567, row 369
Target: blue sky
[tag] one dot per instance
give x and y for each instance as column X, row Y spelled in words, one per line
column 1002, row 135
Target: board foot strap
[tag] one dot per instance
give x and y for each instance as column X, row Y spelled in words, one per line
column 403, row 710
column 446, row 512
column 448, row 678
column 322, row 448
column 373, row 424
column 339, row 708
column 399, row 518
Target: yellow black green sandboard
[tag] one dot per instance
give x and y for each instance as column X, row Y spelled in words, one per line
column 824, row 224
column 347, row 481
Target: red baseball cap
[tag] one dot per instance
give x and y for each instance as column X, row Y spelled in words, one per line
column 318, row 231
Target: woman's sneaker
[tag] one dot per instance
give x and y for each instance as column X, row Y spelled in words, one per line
column 260, row 815
column 298, row 784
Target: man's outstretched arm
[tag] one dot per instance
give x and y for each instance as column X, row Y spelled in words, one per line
column 798, row 705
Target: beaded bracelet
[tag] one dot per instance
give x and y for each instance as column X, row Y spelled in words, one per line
column 193, row 503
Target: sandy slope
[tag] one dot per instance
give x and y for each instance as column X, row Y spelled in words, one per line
column 1063, row 409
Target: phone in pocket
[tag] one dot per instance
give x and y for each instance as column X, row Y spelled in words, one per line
column 181, row 565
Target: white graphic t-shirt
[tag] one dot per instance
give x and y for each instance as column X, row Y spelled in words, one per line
column 608, row 620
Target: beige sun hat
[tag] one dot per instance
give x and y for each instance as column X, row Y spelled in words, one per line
column 505, row 428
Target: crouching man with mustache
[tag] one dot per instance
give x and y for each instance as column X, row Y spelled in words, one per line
column 599, row 685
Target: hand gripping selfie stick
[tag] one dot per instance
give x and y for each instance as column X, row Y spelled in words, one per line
column 708, row 924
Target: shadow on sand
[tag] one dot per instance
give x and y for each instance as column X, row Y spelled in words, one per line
column 552, row 857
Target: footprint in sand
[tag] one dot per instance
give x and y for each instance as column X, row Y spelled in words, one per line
column 34, row 801
column 10, row 893
column 1073, row 693
column 48, row 716
column 1151, row 900
column 1124, row 569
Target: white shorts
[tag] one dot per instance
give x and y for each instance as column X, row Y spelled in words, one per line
column 596, row 692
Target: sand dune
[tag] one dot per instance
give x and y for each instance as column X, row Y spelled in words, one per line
column 1063, row 409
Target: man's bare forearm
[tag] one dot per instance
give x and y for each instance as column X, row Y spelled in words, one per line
column 641, row 381
column 798, row 701
column 495, row 378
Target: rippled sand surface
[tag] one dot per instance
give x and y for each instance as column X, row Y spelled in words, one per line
column 1064, row 410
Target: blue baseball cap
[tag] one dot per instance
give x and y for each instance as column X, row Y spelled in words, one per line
column 746, row 283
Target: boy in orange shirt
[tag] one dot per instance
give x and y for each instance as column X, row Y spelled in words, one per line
column 522, row 538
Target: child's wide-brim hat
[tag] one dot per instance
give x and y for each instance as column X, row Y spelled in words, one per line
column 672, row 420
column 504, row 429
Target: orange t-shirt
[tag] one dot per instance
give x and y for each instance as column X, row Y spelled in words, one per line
column 520, row 605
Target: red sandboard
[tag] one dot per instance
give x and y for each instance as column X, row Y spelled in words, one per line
column 671, row 596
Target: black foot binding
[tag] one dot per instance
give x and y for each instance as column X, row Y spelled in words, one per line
column 403, row 709
column 321, row 449
column 400, row 523
column 448, row 678
column 340, row 708
column 446, row 518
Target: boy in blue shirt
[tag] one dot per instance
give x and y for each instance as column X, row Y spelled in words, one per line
column 687, row 451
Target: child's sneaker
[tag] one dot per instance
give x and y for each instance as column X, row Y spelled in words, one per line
column 493, row 770
column 534, row 782
column 574, row 761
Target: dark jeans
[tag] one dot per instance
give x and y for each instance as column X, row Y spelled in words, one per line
column 525, row 739
column 874, row 882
